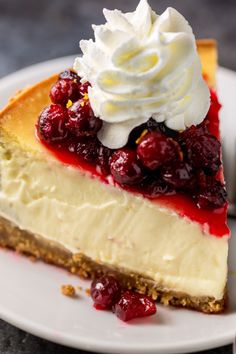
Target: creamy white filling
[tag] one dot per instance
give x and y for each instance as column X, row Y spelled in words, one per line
column 110, row 225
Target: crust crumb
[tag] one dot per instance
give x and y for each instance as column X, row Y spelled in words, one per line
column 33, row 259
column 88, row 292
column 68, row 290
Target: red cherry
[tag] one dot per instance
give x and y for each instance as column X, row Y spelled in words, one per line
column 64, row 90
column 104, row 155
column 105, row 291
column 133, row 305
column 179, row 175
column 87, row 148
column 154, row 186
column 52, row 124
column 82, row 121
column 156, row 150
column 212, row 196
column 125, row 167
column 204, row 152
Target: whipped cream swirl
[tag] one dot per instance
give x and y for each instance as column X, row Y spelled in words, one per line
column 142, row 65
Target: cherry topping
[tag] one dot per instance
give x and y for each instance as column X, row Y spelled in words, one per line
column 69, row 74
column 204, row 152
column 64, row 90
column 193, row 132
column 156, row 149
column 212, row 196
column 52, row 123
column 87, row 148
column 82, row 121
column 179, row 175
column 105, row 291
column 133, row 305
column 125, row 167
column 104, row 155
column 84, row 88
column 154, row 186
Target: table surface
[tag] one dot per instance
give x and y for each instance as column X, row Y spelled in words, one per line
column 33, row 31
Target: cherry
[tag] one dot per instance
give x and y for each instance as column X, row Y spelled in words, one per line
column 104, row 155
column 212, row 196
column 52, row 123
column 125, row 167
column 133, row 305
column 154, row 186
column 82, row 121
column 204, row 152
column 179, row 175
column 87, row 148
column 105, row 291
column 156, row 150
column 69, row 74
column 64, row 90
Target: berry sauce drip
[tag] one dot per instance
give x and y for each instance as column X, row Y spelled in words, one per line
column 107, row 294
column 180, row 170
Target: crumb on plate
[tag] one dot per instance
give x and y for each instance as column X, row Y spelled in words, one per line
column 68, row 290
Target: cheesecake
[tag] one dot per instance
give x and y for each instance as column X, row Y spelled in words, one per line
column 115, row 167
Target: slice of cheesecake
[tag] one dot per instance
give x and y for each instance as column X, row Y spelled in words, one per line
column 65, row 211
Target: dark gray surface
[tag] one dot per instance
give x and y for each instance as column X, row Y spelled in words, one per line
column 35, row 30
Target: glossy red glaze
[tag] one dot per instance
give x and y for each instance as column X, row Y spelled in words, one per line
column 212, row 221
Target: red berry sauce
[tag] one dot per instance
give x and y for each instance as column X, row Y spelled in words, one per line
column 182, row 171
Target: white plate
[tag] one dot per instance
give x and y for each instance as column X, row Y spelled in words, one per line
column 30, row 292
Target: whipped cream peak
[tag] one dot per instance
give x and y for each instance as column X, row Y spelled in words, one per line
column 143, row 65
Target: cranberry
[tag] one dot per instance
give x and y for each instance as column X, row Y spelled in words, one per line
column 212, row 196
column 104, row 155
column 69, row 74
column 82, row 121
column 193, row 132
column 155, row 150
column 132, row 305
column 63, row 90
column 84, row 88
column 52, row 123
column 204, row 153
column 155, row 186
column 87, row 148
column 125, row 167
column 179, row 175
column 105, row 291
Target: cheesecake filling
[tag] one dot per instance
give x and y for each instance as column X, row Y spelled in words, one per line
column 63, row 204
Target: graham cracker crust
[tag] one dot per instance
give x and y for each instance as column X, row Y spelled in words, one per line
column 34, row 246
